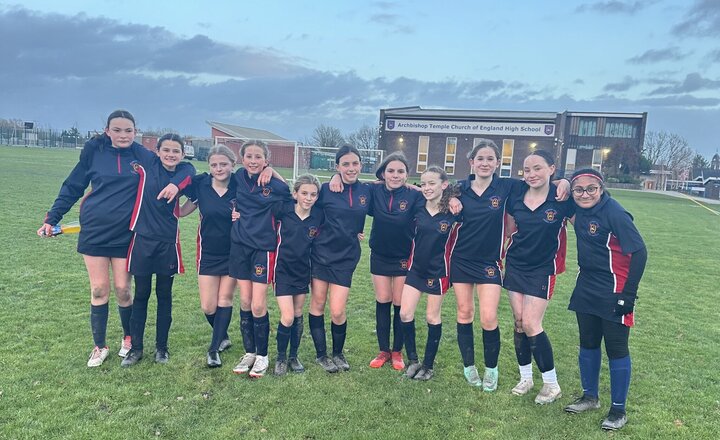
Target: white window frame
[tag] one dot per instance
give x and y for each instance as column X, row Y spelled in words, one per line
column 597, row 159
column 506, row 169
column 423, row 144
column 570, row 160
column 450, row 157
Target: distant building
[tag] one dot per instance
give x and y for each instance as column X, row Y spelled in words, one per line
column 233, row 136
column 445, row 137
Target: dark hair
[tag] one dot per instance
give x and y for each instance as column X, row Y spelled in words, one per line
column 448, row 193
column 171, row 137
column 547, row 157
column 588, row 172
column 258, row 143
column 484, row 143
column 120, row 114
column 396, row 156
column 346, row 149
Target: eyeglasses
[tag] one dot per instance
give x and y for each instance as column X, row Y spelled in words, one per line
column 591, row 190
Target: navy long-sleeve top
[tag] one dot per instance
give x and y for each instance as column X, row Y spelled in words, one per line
column 106, row 209
column 257, row 206
column 393, row 212
column 337, row 244
column 213, row 236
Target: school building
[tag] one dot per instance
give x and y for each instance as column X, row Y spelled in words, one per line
column 233, row 136
column 445, row 137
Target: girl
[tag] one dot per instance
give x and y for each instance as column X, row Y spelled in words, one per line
column 252, row 253
column 535, row 255
column 612, row 257
column 428, row 269
column 298, row 226
column 214, row 195
column 155, row 247
column 476, row 258
column 335, row 256
column 105, row 163
column 393, row 209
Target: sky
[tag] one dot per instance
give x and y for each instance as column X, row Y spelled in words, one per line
column 288, row 66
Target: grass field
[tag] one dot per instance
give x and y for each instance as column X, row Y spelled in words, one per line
column 47, row 392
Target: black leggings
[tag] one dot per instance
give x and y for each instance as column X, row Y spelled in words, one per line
column 593, row 328
column 163, row 290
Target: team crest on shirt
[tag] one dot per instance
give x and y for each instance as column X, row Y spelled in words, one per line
column 259, row 270
column 312, row 232
column 593, row 228
column 402, row 206
column 403, row 264
column 444, row 227
column 135, row 167
column 495, row 202
column 430, row 282
column 491, row 272
column 266, row 191
column 550, row 216
column 363, row 200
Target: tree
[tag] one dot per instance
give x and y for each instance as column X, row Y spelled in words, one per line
column 700, row 162
column 365, row 138
column 326, row 136
column 669, row 150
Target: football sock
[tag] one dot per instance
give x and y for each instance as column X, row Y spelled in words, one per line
column 247, row 329
column 382, row 325
column 542, row 351
column 338, row 332
column 261, row 328
column 409, row 339
column 125, row 315
column 466, row 342
column 222, row 315
column 433, row 342
column 491, row 347
column 282, row 338
column 317, row 331
column 98, row 323
column 397, row 330
column 523, row 352
column 619, row 382
column 589, row 364
column 296, row 332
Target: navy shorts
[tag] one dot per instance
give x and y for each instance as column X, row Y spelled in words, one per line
column 251, row 264
column 431, row 286
column 475, row 272
column 541, row 286
column 387, row 266
column 341, row 277
column 103, row 251
column 148, row 256
column 286, row 285
column 215, row 265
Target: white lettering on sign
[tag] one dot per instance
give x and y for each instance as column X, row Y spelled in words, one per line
column 463, row 127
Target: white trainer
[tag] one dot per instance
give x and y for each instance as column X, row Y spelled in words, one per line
column 98, row 356
column 125, row 346
column 260, row 367
column 245, row 364
column 523, row 387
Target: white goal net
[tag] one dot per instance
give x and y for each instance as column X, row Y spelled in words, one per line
column 320, row 161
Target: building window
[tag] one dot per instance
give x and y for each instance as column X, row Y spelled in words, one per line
column 570, row 161
column 620, row 130
column 450, row 149
column 423, row 147
column 597, row 159
column 507, row 155
column 587, row 127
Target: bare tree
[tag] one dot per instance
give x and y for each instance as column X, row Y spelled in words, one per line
column 365, row 138
column 669, row 150
column 326, row 136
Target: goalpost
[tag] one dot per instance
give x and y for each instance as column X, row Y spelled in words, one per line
column 320, row 161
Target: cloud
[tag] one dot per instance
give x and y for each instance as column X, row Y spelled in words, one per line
column 658, row 55
column 621, row 86
column 702, row 20
column 693, row 82
column 714, row 56
column 614, row 7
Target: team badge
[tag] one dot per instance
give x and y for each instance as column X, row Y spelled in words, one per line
column 135, row 167
column 495, row 202
column 491, row 272
column 550, row 216
column 444, row 227
column 593, row 228
column 363, row 200
column 403, row 264
column 430, row 282
column 266, row 192
column 259, row 270
column 402, row 206
column 312, row 231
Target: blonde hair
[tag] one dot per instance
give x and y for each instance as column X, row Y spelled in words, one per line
column 222, row 150
column 306, row 179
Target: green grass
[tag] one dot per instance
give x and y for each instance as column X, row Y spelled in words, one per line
column 47, row 392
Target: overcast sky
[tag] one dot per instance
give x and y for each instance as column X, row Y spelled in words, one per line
column 287, row 66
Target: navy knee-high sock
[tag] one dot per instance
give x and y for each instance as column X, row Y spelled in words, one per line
column 247, row 329
column 262, row 333
column 163, row 290
column 382, row 324
column 466, row 342
column 620, row 382
column 397, row 330
column 211, row 318
column 433, row 342
column 409, row 339
column 317, row 330
column 282, row 338
column 523, row 353
column 589, row 364
column 296, row 332
column 98, row 323
column 222, row 317
column 491, row 347
column 542, row 351
column 125, row 315
column 143, row 287
column 338, row 331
